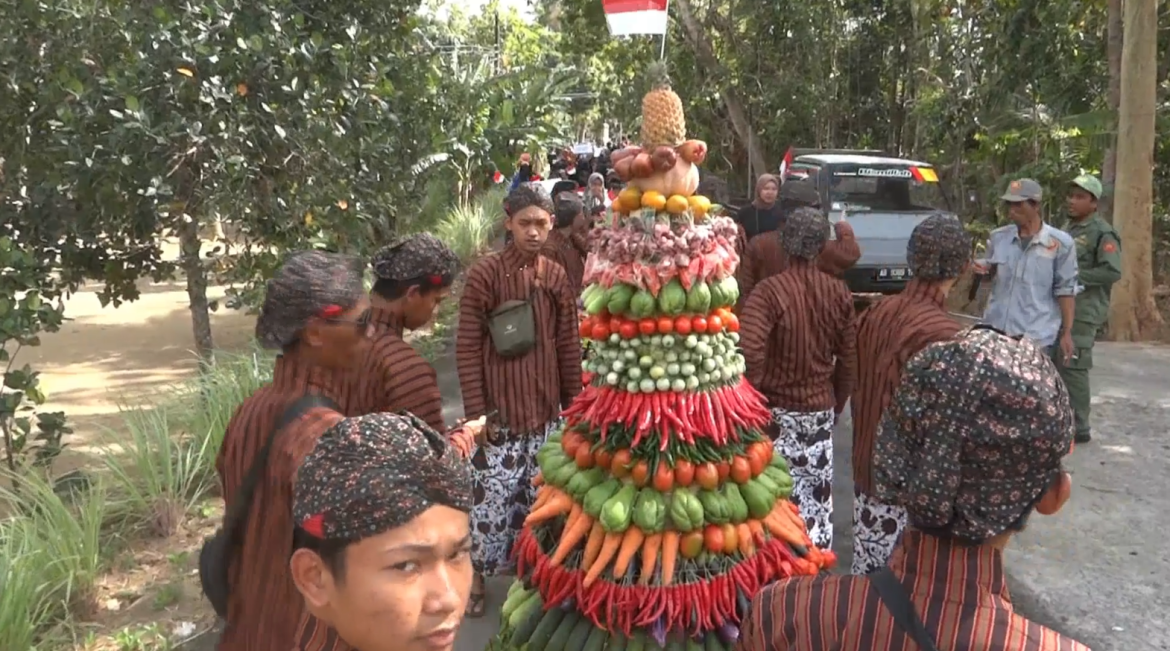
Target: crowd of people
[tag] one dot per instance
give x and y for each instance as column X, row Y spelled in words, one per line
column 393, row 520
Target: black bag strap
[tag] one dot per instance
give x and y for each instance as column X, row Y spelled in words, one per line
column 237, row 514
column 894, row 596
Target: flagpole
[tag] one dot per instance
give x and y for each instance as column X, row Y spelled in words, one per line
column 662, row 50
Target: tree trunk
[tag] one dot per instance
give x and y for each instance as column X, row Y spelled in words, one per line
column 1113, row 52
column 693, row 34
column 192, row 264
column 1133, row 316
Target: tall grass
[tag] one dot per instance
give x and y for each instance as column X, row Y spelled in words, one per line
column 470, row 229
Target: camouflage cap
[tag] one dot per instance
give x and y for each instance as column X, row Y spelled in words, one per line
column 974, row 435
column 939, row 248
column 306, row 285
column 1090, row 184
column 416, row 256
column 804, row 233
column 370, row 474
column 1023, row 190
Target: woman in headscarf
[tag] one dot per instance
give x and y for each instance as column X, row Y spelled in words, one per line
column 383, row 538
column 763, row 215
column 316, row 314
column 595, row 194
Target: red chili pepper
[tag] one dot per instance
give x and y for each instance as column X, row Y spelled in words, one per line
column 708, row 603
column 709, row 418
column 720, row 417
column 672, row 418
column 643, row 426
column 729, row 599
column 635, row 409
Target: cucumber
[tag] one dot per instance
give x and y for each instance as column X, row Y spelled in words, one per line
column 596, row 640
column 617, row 642
column 516, row 586
column 638, row 642
column 513, row 602
column 561, row 636
column 579, row 636
column 692, row 645
column 524, row 610
column 548, row 625
column 675, row 644
column 528, row 626
column 712, row 643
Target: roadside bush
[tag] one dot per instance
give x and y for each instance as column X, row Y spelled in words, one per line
column 470, row 229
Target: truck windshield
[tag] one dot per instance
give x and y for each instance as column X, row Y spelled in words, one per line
column 887, row 188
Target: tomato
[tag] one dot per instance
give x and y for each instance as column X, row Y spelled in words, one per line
column 663, row 478
column 741, row 470
column 682, row 325
column 665, row 325
column 699, row 324
column 640, row 474
column 586, row 328
column 620, row 466
column 755, row 459
column 723, row 313
column 615, row 323
column 691, row 544
column 647, row 326
column 684, row 472
column 584, row 456
column 603, row 458
column 714, row 324
column 713, row 539
column 600, row 331
column 629, row 330
column 707, row 476
column 724, row 470
column 570, row 442
column 730, row 538
column 732, row 323
column 765, row 451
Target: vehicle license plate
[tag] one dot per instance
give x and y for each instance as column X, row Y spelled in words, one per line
column 894, row 274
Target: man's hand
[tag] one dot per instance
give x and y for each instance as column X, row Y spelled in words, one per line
column 1068, row 350
column 462, row 441
column 476, row 429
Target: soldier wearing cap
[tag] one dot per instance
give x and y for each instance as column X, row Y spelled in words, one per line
column 1034, row 270
column 1099, row 266
column 971, row 445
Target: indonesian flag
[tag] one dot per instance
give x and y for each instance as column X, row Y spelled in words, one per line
column 497, row 177
column 785, row 163
column 626, row 17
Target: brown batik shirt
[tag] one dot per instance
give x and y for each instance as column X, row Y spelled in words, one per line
column 315, row 635
column 798, row 336
column 764, row 257
column 529, row 390
column 960, row 593
column 264, row 606
column 888, row 335
column 565, row 250
column 394, row 377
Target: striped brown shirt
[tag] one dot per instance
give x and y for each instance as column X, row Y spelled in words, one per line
column 563, row 249
column 265, row 607
column 888, row 335
column 394, row 377
column 315, row 635
column 798, row 335
column 960, row 592
column 764, row 257
column 528, row 390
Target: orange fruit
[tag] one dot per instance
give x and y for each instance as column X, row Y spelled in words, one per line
column 700, row 205
column 677, row 204
column 653, row 200
column 629, row 199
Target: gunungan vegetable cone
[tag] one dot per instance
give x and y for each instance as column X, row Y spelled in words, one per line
column 663, row 122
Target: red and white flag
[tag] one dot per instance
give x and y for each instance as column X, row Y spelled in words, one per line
column 785, row 163
column 626, row 17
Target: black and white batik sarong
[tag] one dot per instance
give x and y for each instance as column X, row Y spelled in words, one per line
column 877, row 528
column 805, row 440
column 503, row 495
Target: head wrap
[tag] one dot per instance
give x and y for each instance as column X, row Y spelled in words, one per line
column 374, row 473
column 804, row 233
column 421, row 256
column 765, row 179
column 308, row 285
column 939, row 248
column 974, row 435
column 596, row 176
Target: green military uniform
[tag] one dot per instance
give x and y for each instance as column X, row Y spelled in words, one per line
column 1099, row 266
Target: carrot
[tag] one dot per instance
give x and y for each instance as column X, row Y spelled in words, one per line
column 593, row 545
column 609, row 548
column 631, row 543
column 650, row 548
column 783, row 529
column 757, row 532
column 542, row 496
column 575, row 513
column 558, row 504
column 669, row 555
column 570, row 537
column 746, row 546
column 797, row 522
column 538, row 479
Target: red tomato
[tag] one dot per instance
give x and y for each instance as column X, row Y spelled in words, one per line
column 699, row 324
column 586, row 328
column 682, row 325
column 732, row 323
column 600, row 331
column 665, row 325
column 647, row 326
column 714, row 324
column 615, row 323
column 629, row 330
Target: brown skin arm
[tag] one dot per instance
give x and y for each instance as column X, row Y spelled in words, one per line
column 1068, row 308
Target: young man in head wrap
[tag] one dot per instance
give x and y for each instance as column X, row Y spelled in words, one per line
column 889, row 334
column 383, row 539
column 971, row 445
column 528, row 390
column 764, row 256
column 798, row 335
column 563, row 245
column 316, row 313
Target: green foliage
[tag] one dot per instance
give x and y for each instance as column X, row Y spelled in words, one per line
column 471, row 228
